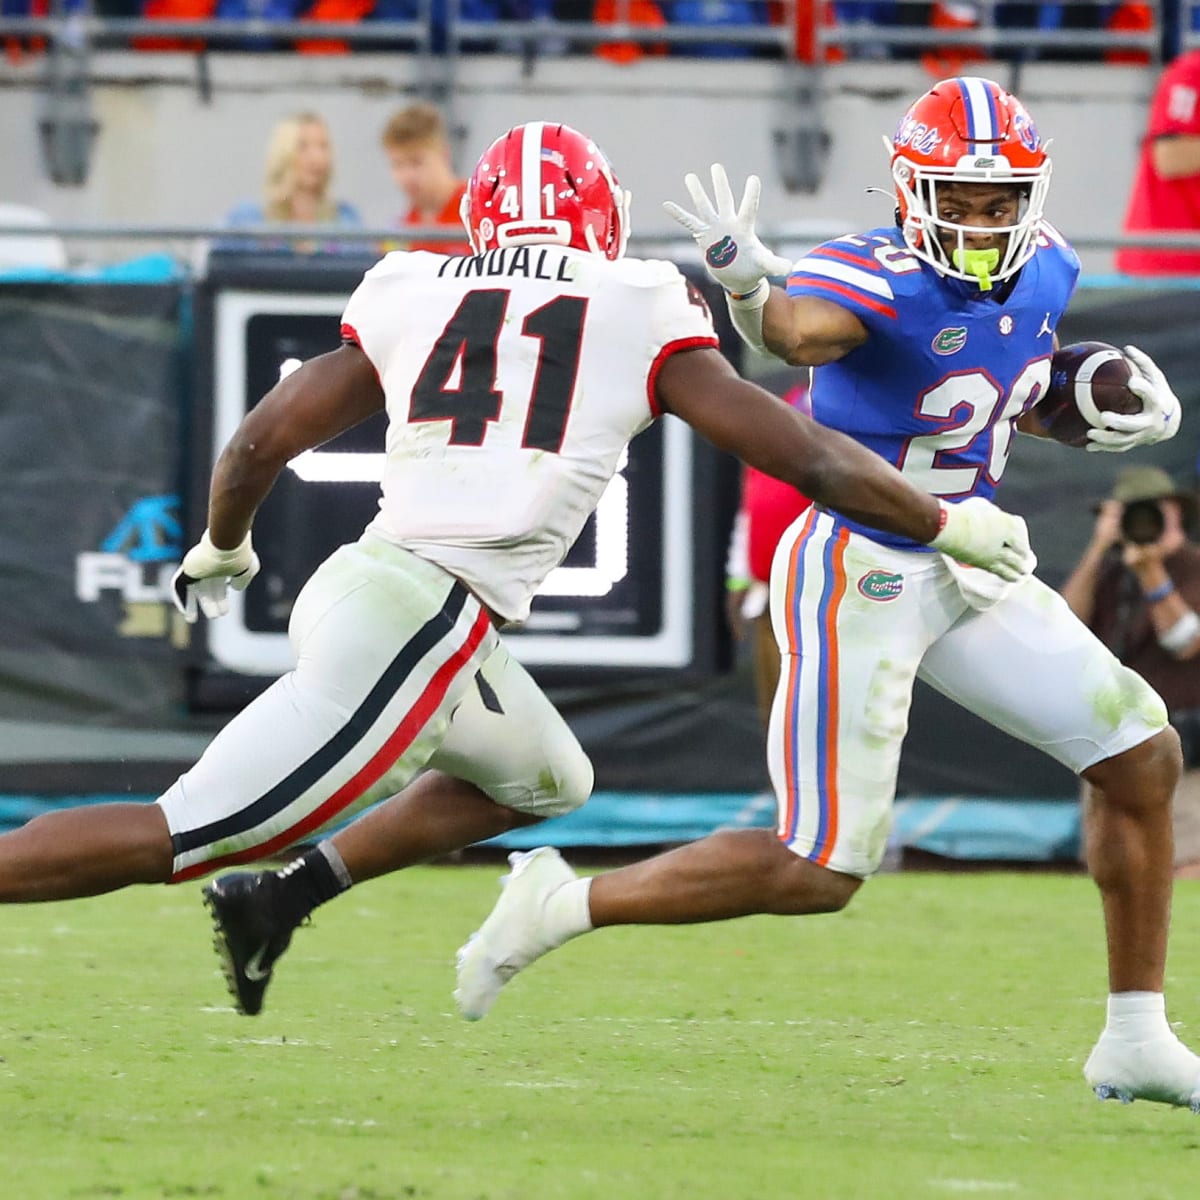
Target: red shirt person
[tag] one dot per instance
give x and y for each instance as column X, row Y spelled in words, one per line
column 449, row 214
column 418, row 151
column 1166, row 188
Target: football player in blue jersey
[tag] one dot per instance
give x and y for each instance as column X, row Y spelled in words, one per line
column 931, row 340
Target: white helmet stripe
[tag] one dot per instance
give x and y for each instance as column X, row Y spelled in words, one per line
column 980, row 114
column 531, row 172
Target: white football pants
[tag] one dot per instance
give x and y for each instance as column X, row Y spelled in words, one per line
column 398, row 668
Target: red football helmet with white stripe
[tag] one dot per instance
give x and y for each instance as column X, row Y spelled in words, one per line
column 967, row 130
column 542, row 183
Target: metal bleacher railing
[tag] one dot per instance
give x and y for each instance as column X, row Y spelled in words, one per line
column 76, row 25
column 1076, row 29
column 784, row 29
column 435, row 25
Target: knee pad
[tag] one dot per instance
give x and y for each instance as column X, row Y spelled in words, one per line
column 565, row 783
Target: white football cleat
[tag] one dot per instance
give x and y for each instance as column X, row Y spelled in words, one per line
column 1163, row 1070
column 514, row 933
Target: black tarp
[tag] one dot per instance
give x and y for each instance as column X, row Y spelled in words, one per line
column 90, row 428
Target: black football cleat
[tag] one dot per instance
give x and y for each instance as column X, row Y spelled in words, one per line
column 250, row 933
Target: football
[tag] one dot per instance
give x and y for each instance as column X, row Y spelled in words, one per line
column 1083, row 376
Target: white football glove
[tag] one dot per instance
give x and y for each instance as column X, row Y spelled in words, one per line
column 979, row 534
column 201, row 583
column 1158, row 420
column 733, row 254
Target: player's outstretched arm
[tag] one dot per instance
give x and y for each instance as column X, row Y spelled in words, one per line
column 805, row 332
column 323, row 398
column 701, row 388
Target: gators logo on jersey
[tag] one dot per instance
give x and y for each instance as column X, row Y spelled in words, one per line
column 722, row 253
column 950, row 341
column 881, row 585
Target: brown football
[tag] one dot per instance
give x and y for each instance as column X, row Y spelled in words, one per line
column 1092, row 372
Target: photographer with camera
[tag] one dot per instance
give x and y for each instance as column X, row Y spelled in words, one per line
column 1137, row 587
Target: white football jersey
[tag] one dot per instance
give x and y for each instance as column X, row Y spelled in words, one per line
column 514, row 380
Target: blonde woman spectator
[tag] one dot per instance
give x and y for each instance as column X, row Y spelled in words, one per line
column 296, row 189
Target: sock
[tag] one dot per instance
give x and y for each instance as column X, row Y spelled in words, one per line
column 566, row 912
column 1137, row 1016
column 310, row 880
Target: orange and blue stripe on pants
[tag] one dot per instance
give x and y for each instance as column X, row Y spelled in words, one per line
column 810, row 748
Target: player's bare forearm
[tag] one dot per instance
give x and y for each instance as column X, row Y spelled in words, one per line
column 808, row 332
column 325, row 397
column 241, row 481
column 857, row 483
column 700, row 387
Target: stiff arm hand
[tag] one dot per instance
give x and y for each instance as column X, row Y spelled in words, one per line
column 201, row 583
column 1158, row 420
column 979, row 534
column 733, row 254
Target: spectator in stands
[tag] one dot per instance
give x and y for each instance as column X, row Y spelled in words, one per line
column 736, row 14
column 418, row 151
column 943, row 61
column 1137, row 587
column 346, row 12
column 1166, row 187
column 630, row 12
column 299, row 171
column 768, row 506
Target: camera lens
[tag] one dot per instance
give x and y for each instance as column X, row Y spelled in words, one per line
column 1142, row 522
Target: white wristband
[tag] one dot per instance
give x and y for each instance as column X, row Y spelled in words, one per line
column 234, row 558
column 755, row 299
column 746, row 313
column 1182, row 634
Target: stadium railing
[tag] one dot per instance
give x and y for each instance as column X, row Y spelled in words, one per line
column 80, row 28
column 743, row 27
column 184, row 241
column 989, row 29
column 788, row 29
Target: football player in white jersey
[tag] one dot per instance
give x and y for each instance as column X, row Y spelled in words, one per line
column 512, row 378
column 930, row 339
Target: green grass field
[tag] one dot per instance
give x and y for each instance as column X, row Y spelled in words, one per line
column 926, row 1043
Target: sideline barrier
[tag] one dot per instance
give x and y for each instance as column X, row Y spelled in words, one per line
column 956, row 827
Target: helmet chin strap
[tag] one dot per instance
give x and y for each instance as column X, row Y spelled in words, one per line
column 980, row 263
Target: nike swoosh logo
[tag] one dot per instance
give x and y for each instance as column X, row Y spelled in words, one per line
column 254, row 969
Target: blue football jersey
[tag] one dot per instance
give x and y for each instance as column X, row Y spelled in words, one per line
column 948, row 368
